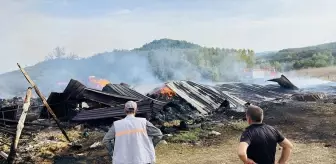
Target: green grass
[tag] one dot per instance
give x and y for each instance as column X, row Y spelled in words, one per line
column 186, row 136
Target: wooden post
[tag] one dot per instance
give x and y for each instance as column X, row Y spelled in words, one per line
column 20, row 125
column 44, row 101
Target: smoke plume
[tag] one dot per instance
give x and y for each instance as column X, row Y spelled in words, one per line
column 132, row 67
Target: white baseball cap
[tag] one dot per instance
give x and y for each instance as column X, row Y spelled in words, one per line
column 131, row 106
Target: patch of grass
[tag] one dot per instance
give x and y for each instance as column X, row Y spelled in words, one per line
column 188, row 136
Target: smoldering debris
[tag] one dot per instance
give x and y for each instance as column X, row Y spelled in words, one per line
column 284, row 82
column 191, row 104
column 177, row 100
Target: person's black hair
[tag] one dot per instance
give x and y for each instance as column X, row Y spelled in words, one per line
column 255, row 113
column 130, row 110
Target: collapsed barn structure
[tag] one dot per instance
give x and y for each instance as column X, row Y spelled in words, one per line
column 176, row 100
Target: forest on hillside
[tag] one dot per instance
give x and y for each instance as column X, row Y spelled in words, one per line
column 297, row 58
column 155, row 62
column 176, row 60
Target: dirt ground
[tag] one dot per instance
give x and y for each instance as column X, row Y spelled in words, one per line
column 310, row 126
column 304, row 121
column 225, row 153
column 326, row 73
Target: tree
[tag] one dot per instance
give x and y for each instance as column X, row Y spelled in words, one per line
column 59, row 52
column 276, row 65
column 297, row 65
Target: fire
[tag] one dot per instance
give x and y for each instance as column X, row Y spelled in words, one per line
column 167, row 91
column 100, row 83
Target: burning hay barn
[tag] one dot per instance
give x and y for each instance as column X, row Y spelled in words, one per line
column 186, row 103
column 183, row 100
column 180, row 100
column 175, row 100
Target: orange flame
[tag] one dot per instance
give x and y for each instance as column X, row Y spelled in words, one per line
column 167, row 92
column 99, row 82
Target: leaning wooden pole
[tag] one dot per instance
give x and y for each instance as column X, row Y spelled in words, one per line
column 44, row 101
column 20, row 125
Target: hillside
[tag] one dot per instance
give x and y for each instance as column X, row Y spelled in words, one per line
column 317, row 48
column 167, row 43
column 297, row 58
column 154, row 62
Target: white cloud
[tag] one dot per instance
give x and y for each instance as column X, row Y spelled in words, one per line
column 27, row 36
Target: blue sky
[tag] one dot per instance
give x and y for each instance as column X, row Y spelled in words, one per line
column 30, row 29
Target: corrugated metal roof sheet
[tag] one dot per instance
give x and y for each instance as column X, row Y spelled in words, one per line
column 204, row 98
column 123, row 90
column 106, row 98
column 73, row 90
column 284, row 82
column 144, row 106
column 254, row 92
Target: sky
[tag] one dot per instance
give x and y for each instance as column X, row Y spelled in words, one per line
column 31, row 29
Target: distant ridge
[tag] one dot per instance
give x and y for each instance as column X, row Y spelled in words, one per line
column 167, row 43
column 320, row 47
column 321, row 55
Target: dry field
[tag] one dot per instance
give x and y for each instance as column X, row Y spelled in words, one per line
column 225, row 153
column 217, row 150
column 327, row 73
column 310, row 126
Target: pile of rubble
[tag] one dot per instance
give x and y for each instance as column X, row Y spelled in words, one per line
column 183, row 100
column 186, row 101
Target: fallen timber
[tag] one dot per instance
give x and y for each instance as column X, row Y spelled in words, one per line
column 25, row 74
column 12, row 154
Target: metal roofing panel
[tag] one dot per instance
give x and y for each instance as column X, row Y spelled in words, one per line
column 106, row 98
column 145, row 106
column 123, row 90
column 254, row 92
column 73, row 90
column 195, row 95
column 203, row 97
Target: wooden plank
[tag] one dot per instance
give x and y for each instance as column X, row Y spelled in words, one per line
column 25, row 74
column 20, row 125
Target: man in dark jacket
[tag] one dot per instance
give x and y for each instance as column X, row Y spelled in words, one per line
column 259, row 141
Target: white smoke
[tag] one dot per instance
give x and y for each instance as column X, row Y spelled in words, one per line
column 132, row 67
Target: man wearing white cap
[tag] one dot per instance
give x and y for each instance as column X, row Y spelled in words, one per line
column 132, row 139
